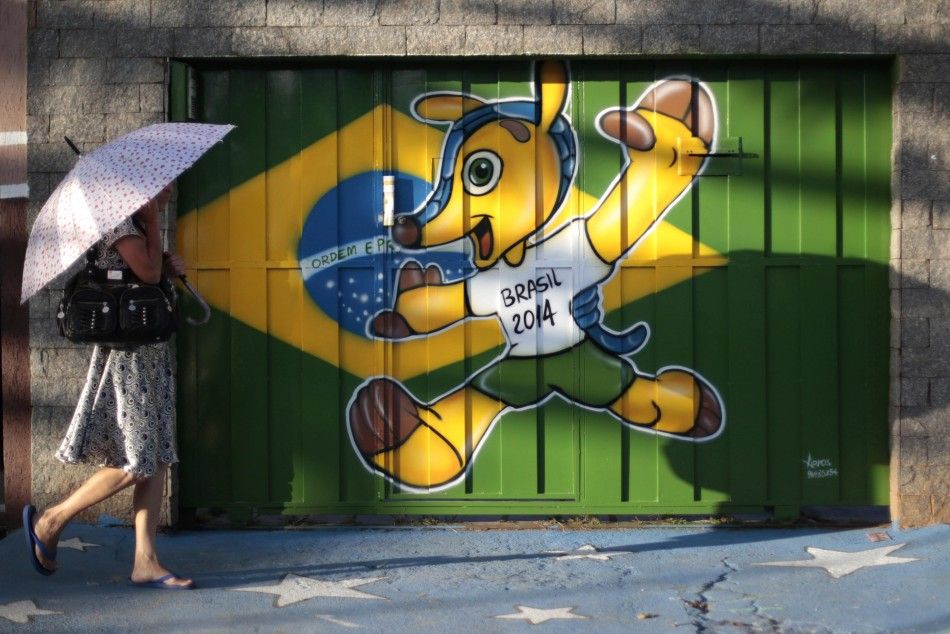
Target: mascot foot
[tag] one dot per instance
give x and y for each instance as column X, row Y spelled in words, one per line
column 709, row 419
column 676, row 402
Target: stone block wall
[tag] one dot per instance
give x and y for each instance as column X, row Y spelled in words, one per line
column 98, row 68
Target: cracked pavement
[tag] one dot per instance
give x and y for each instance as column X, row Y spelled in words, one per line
column 722, row 606
column 446, row 578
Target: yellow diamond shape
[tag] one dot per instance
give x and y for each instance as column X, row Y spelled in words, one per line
column 241, row 251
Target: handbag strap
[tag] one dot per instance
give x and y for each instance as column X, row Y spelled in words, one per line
column 102, row 275
column 95, row 271
column 128, row 275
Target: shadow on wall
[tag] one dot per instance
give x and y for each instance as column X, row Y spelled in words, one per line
column 674, row 27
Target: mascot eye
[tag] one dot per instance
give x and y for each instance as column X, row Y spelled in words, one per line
column 481, row 172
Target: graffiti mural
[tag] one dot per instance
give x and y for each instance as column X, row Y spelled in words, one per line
column 468, row 287
column 489, row 239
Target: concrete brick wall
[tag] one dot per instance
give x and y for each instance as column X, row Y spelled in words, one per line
column 97, row 68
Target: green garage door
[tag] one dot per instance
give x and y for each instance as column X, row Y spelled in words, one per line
column 543, row 287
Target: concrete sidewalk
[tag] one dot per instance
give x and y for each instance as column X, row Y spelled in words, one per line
column 451, row 579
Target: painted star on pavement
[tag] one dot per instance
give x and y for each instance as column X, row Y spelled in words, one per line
column 840, row 563
column 76, row 543
column 540, row 615
column 294, row 589
column 21, row 611
column 588, row 551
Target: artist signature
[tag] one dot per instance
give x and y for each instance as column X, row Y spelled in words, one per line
column 819, row 468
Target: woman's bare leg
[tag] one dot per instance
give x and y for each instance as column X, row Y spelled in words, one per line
column 50, row 522
column 147, row 501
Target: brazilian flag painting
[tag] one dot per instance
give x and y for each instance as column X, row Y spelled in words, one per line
column 536, row 287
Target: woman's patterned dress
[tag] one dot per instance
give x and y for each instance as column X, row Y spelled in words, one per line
column 125, row 416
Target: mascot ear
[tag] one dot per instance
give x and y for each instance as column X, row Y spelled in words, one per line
column 438, row 107
column 551, row 88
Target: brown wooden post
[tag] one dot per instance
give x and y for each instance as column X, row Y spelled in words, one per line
column 14, row 319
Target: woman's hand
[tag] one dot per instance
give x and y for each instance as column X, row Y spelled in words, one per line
column 174, row 265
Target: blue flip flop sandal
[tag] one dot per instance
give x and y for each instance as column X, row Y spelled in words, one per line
column 33, row 542
column 161, row 583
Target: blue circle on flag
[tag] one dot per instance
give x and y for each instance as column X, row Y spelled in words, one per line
column 348, row 259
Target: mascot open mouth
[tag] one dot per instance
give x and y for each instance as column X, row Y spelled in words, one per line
column 483, row 238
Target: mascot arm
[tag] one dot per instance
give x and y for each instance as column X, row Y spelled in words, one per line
column 432, row 307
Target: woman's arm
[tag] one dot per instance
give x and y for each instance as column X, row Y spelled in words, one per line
column 144, row 255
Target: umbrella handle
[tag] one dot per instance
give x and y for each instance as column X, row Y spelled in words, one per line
column 201, row 301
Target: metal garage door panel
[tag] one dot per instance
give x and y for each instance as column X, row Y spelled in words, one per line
column 767, row 278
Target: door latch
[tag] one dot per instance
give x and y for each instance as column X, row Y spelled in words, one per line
column 726, row 160
column 389, row 199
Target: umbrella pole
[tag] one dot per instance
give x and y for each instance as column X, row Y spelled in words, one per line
column 201, row 301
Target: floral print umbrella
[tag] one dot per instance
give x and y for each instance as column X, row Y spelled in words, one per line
column 104, row 188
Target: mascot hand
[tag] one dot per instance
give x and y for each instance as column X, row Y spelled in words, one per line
column 390, row 324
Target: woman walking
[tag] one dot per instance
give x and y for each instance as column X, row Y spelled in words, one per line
column 124, row 421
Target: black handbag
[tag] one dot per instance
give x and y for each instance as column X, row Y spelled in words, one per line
column 116, row 309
